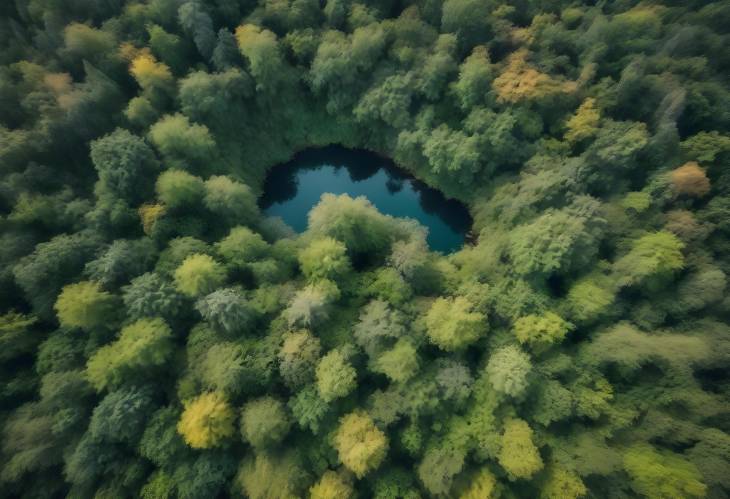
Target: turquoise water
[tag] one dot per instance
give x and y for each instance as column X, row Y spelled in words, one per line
column 292, row 189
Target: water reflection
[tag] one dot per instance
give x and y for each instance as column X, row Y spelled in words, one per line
column 292, row 189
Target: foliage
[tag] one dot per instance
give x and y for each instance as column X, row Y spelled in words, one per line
column 518, row 455
column 452, row 324
column 142, row 348
column 199, row 275
column 207, row 421
column 264, row 422
column 85, row 305
column 360, row 444
column 336, row 377
column 508, row 369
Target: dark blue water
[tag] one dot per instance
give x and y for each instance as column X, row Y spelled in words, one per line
column 292, row 189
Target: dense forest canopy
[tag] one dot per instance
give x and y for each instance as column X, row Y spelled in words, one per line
column 161, row 338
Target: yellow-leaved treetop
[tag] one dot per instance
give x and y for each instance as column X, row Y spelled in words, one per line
column 149, row 214
column 150, row 74
column 519, row 81
column 207, row 421
column 332, row 485
column 518, row 455
column 360, row 444
column 562, row 483
column 85, row 305
column 482, row 486
column 584, row 123
column 690, row 180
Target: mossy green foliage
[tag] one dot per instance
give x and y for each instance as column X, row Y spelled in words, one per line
column 162, row 337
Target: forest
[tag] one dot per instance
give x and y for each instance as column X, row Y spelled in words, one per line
column 162, row 337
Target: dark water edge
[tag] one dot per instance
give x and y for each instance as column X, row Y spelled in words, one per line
column 293, row 188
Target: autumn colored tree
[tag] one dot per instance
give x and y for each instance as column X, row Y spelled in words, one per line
column 207, row 421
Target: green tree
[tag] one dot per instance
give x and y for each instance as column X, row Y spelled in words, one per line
column 324, row 258
column 336, row 377
column 183, row 144
column 199, row 275
column 142, row 348
column 508, row 369
column 518, row 455
column 298, row 358
column 360, row 444
column 264, row 422
column 475, row 76
column 149, row 295
column 261, row 49
column 452, row 323
column 179, row 189
column 651, row 262
column 207, row 421
column 227, row 310
column 231, row 200
column 124, row 163
column 332, row 485
column 656, row 474
column 400, row 363
column 273, row 476
column 85, row 305
column 541, row 331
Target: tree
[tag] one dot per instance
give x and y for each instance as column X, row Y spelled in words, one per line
column 508, row 369
column 590, row 298
column 355, row 222
column 378, row 327
column 558, row 240
column 121, row 261
column 452, row 324
column 179, row 189
column 160, row 442
column 399, row 363
column 483, row 485
column 332, row 485
column 121, row 416
column 360, row 444
column 149, row 295
column 562, row 483
column 234, row 369
column 298, row 358
column 261, row 49
column 336, row 377
column 199, row 275
column 142, row 347
column 197, row 23
column 124, row 163
column 241, row 247
column 310, row 306
column 518, row 455
column 690, row 180
column 541, row 331
column 154, row 77
column 264, row 422
column 475, row 76
column 85, row 305
column 324, row 258
column 309, row 409
column 655, row 474
column 438, row 468
column 184, row 145
column 651, row 262
column 584, row 123
column 273, row 476
column 227, row 310
column 467, row 19
column 207, row 421
column 231, row 200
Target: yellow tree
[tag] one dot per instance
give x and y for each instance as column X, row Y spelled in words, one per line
column 207, row 421
column 360, row 444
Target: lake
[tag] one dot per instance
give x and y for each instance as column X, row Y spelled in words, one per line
column 293, row 188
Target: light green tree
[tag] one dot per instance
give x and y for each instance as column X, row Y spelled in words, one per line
column 199, row 275
column 452, row 324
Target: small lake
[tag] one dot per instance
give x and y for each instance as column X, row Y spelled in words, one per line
column 292, row 189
